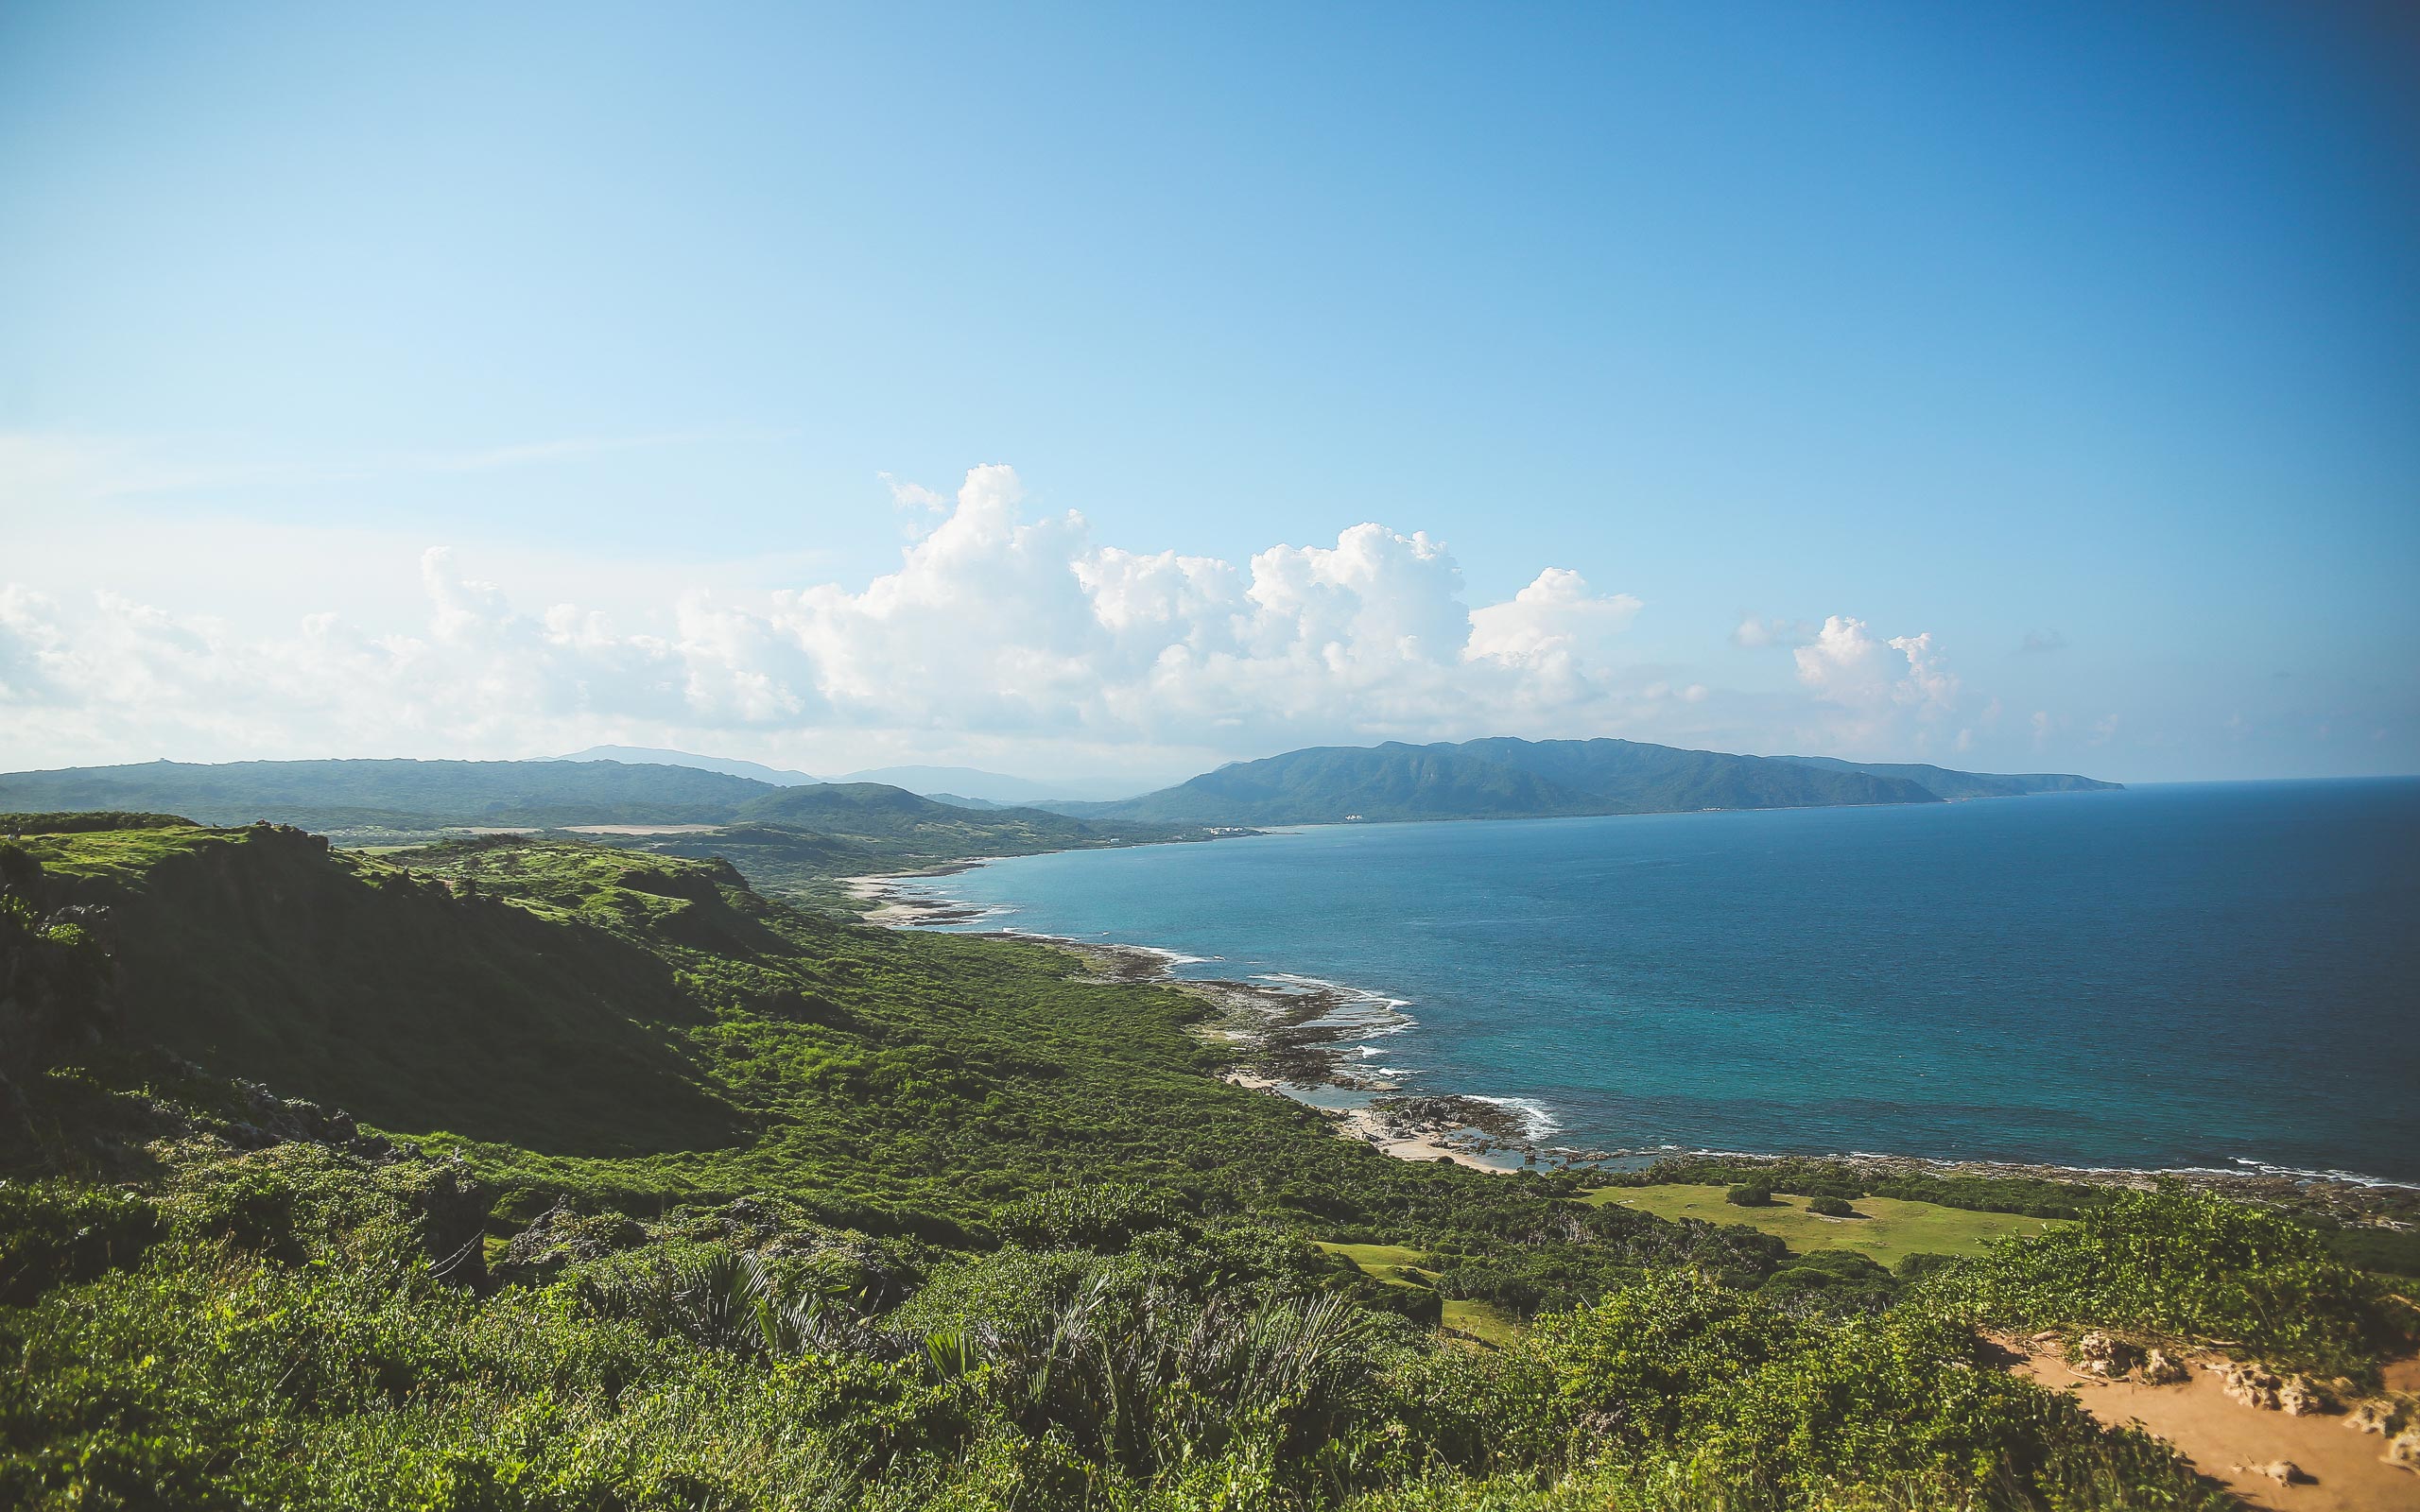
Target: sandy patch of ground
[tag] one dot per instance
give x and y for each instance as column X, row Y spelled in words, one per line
column 2223, row 1438
column 881, row 901
column 1364, row 1124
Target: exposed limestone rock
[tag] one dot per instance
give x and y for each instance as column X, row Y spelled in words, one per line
column 2283, row 1471
column 2161, row 1368
column 561, row 1235
column 2298, row 1398
column 453, row 1212
column 2255, row 1385
column 2375, row 1415
column 2404, row 1450
column 2100, row 1354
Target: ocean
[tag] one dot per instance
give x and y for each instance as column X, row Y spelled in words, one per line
column 2220, row 975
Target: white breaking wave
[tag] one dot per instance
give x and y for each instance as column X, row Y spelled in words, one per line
column 1536, row 1123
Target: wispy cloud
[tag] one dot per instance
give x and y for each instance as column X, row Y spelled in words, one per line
column 52, row 469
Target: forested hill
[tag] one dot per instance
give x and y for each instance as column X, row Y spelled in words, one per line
column 1504, row 777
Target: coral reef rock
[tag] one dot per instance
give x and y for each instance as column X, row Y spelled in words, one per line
column 2255, row 1385
column 2161, row 1368
column 2101, row 1354
column 2404, row 1450
column 2375, row 1415
column 2298, row 1398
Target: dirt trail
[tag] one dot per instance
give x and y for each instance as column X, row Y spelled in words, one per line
column 2222, row 1438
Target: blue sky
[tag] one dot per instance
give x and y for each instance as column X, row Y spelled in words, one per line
column 2089, row 329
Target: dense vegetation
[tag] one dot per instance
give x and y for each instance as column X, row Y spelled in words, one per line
column 1503, row 778
column 876, row 1219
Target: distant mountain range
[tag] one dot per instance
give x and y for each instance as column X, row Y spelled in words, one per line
column 957, row 783
column 966, row 786
column 1478, row 778
column 728, row 765
column 793, row 837
column 423, row 796
column 1503, row 778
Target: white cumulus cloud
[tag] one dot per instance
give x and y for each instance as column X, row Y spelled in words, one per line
column 995, row 624
column 1878, row 683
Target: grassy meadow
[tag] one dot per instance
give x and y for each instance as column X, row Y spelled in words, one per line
column 1886, row 1231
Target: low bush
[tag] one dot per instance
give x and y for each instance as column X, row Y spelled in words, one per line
column 1750, row 1195
column 2182, row 1263
column 52, row 1234
column 1832, row 1207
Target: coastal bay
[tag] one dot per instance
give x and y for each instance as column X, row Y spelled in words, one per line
column 2211, row 976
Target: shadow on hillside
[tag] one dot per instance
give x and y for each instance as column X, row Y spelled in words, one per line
column 412, row 1009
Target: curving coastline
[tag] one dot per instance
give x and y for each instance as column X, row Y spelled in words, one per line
column 1293, row 1035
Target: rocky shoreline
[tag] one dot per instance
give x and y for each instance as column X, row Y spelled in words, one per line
column 1289, row 1037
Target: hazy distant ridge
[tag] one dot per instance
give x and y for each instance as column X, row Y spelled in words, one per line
column 1504, row 777
column 1497, row 778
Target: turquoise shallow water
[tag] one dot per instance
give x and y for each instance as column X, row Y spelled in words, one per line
column 2165, row 977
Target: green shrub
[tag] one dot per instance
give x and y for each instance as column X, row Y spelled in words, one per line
column 1832, row 1207
column 1643, row 1363
column 2387, row 1251
column 2184, row 1263
column 53, row 1233
column 1920, row 1264
column 250, row 1208
column 1904, row 1399
column 1750, row 1195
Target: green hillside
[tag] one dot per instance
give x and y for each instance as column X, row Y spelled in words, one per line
column 406, row 795
column 667, row 1196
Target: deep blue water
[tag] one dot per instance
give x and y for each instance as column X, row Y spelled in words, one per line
column 2170, row 976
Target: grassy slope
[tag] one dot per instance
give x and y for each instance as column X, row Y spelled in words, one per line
column 362, row 983
column 1889, row 1232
